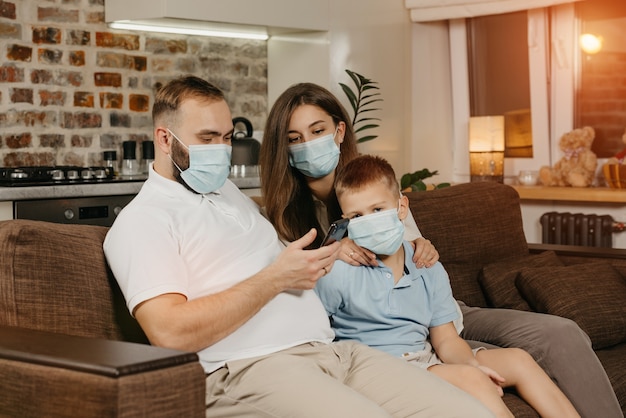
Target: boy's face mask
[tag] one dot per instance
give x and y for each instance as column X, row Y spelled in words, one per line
column 380, row 232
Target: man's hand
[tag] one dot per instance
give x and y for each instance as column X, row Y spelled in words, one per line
column 297, row 268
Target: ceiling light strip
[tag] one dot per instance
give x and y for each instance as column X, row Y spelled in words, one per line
column 182, row 30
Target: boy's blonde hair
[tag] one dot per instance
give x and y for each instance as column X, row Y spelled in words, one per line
column 363, row 171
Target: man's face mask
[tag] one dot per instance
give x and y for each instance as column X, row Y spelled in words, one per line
column 209, row 166
column 316, row 158
column 380, row 232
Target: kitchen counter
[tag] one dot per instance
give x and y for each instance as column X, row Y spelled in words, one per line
column 122, row 187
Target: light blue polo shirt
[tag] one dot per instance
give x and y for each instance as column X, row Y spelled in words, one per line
column 364, row 304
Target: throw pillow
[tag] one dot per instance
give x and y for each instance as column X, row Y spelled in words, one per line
column 498, row 279
column 592, row 294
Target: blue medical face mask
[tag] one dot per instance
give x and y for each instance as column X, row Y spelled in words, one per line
column 209, row 166
column 316, row 158
column 380, row 232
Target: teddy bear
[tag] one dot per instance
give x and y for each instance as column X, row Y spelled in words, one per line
column 578, row 165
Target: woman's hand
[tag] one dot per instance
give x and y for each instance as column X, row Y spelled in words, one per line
column 355, row 255
column 425, row 255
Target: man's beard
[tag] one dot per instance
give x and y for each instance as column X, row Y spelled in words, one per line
column 180, row 156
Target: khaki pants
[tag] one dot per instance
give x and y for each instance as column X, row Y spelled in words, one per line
column 344, row 379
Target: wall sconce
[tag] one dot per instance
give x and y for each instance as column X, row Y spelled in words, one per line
column 590, row 43
column 486, row 148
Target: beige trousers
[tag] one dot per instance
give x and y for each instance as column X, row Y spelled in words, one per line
column 344, row 379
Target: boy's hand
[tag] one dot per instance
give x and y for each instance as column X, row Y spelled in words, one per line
column 495, row 378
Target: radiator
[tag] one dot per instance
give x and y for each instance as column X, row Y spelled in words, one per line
column 578, row 229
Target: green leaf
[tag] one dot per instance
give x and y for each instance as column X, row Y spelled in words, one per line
column 366, row 138
column 362, row 99
column 405, row 181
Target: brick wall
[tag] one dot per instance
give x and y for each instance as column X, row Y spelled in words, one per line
column 70, row 87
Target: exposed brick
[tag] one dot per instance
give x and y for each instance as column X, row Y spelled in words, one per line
column 83, row 99
column 22, row 96
column 51, row 98
column 18, row 140
column 11, row 74
column 133, row 82
column 81, row 120
column 161, row 65
column 56, row 14
column 46, row 35
column 108, row 79
column 74, row 2
column 50, row 56
column 114, row 40
column 139, row 102
column 139, row 138
column 72, row 158
column 58, row 78
column 78, row 37
column 10, row 30
column 21, row 118
column 19, row 53
column 108, row 141
column 115, row 60
column 21, row 159
column 52, row 140
column 165, row 46
column 77, row 58
column 187, row 65
column 82, row 141
column 41, row 77
column 96, row 2
column 111, row 100
column 7, row 10
column 119, row 120
column 94, row 17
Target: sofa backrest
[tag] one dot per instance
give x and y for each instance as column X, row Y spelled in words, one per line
column 54, row 277
column 470, row 224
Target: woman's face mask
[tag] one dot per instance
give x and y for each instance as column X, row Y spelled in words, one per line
column 316, row 158
column 380, row 232
column 209, row 166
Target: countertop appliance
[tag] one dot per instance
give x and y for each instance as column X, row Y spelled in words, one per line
column 245, row 155
column 86, row 209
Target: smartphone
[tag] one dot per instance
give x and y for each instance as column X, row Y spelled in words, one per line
column 336, row 231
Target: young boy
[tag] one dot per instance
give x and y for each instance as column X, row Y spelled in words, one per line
column 407, row 311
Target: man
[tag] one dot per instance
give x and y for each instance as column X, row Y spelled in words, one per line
column 203, row 271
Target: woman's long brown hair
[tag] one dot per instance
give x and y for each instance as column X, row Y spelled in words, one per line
column 288, row 200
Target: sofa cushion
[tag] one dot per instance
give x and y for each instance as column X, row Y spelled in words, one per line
column 54, row 277
column 470, row 224
column 498, row 279
column 593, row 295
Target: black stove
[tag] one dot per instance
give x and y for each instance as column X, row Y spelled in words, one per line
column 54, row 175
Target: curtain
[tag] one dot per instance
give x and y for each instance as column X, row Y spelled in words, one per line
column 431, row 10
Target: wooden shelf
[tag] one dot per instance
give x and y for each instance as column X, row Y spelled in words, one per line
column 572, row 194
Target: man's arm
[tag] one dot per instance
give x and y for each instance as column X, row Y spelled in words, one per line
column 170, row 320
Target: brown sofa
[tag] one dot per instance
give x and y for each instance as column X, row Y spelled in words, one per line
column 67, row 344
column 477, row 229
column 69, row 348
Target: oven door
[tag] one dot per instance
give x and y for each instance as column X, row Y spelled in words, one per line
column 98, row 210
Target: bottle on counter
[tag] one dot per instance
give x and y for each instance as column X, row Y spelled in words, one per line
column 130, row 165
column 147, row 155
column 110, row 161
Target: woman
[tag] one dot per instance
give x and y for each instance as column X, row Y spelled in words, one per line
column 298, row 191
column 308, row 139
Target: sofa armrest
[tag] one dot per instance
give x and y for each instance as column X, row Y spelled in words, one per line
column 579, row 251
column 48, row 374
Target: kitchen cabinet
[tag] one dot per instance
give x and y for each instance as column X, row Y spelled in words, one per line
column 6, row 211
column 278, row 16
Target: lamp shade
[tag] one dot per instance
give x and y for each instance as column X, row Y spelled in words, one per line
column 486, row 146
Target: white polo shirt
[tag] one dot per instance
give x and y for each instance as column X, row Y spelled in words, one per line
column 170, row 240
